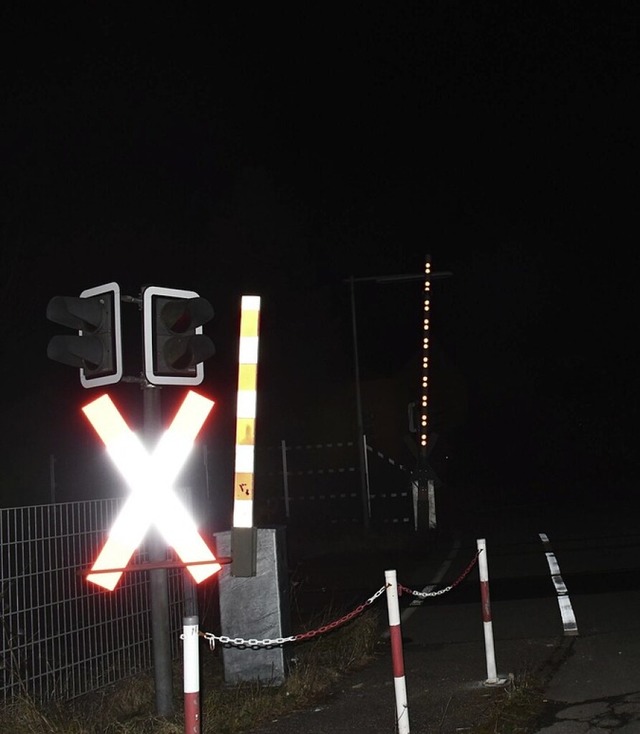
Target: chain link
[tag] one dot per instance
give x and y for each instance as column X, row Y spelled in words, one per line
column 255, row 644
column 439, row 592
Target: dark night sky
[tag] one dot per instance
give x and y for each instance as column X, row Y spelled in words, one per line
column 280, row 150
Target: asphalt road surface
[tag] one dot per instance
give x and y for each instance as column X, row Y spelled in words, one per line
column 562, row 600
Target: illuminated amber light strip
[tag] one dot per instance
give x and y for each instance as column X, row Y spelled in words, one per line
column 246, row 412
column 425, row 356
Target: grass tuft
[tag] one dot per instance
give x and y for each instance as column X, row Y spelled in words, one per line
column 128, row 707
column 516, row 710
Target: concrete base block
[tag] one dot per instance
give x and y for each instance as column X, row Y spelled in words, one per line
column 256, row 607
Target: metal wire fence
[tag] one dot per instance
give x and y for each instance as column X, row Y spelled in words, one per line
column 61, row 635
column 319, row 484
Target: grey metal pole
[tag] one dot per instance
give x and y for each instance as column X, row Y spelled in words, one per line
column 189, row 589
column 285, row 477
column 158, row 578
column 360, row 422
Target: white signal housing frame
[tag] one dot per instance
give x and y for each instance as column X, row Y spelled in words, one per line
column 148, row 331
column 117, row 335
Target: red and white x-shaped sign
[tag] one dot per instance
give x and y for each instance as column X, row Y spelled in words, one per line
column 152, row 499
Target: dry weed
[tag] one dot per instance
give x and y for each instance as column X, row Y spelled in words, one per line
column 128, row 707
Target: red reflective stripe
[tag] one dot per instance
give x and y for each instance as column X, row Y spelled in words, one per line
column 486, row 601
column 397, row 659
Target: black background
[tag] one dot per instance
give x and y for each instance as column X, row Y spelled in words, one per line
column 279, row 150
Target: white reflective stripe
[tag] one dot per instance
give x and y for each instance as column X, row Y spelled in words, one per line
column 402, row 707
column 176, row 443
column 248, row 350
column 123, row 446
column 191, row 658
column 169, row 457
column 243, row 514
column 131, row 523
column 179, row 530
column 553, row 564
column 250, row 303
column 106, row 420
column 191, row 416
column 393, row 609
column 561, row 587
column 246, row 405
column 244, row 459
column 116, row 553
column 108, row 581
column 569, row 623
column 568, row 617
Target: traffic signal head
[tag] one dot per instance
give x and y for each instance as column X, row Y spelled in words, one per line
column 174, row 345
column 97, row 347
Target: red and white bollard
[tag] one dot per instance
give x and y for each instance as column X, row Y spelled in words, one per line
column 397, row 657
column 191, row 657
column 483, row 568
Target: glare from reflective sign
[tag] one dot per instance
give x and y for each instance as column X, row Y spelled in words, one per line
column 152, row 499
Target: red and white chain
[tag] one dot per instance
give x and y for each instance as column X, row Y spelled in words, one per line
column 439, row 592
column 278, row 641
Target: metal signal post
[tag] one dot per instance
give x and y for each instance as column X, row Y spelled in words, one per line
column 174, row 349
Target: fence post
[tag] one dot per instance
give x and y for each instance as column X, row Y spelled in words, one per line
column 431, row 491
column 285, row 477
column 367, row 479
column 397, row 657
